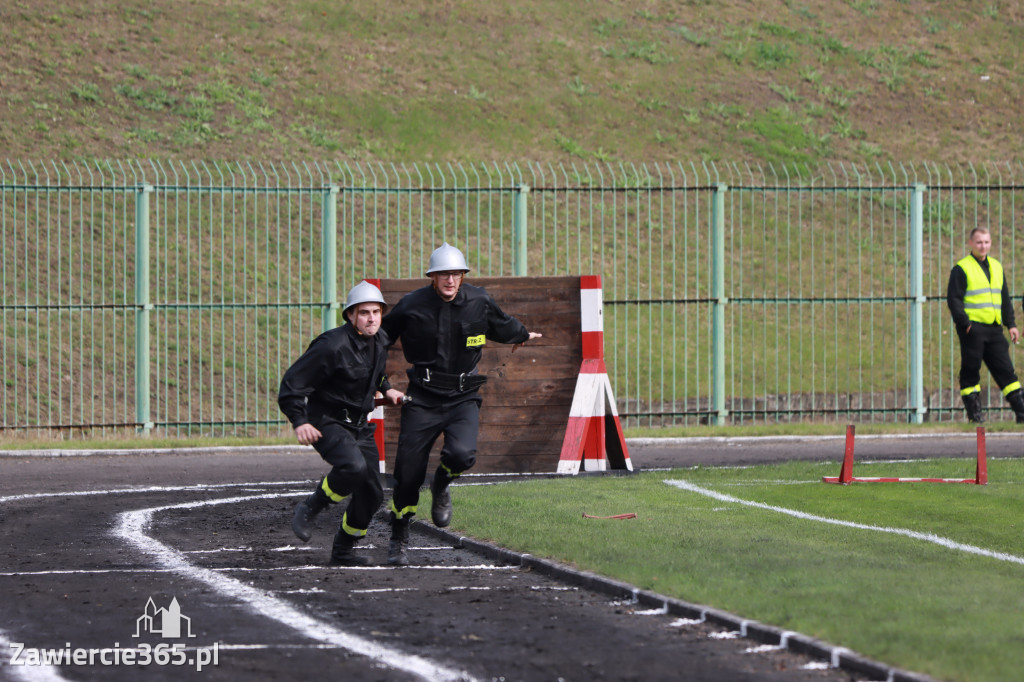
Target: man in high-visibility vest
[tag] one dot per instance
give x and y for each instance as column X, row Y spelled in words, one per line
column 979, row 300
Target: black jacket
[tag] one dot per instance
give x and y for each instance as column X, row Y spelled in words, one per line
column 336, row 378
column 445, row 336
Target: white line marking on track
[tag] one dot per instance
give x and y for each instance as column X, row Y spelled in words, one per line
column 133, row 526
column 151, row 489
column 660, row 611
column 261, row 647
column 725, row 635
column 83, row 571
column 905, row 532
column 763, row 649
column 323, row 567
column 29, row 673
column 743, row 484
column 252, row 569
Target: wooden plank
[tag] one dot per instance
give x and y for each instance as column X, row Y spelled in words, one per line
column 542, row 439
column 499, row 457
column 544, row 369
column 529, row 392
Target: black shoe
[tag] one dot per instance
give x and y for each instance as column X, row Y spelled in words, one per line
column 305, row 512
column 1016, row 400
column 398, row 547
column 397, row 553
column 349, row 558
column 343, row 553
column 972, row 405
column 441, row 504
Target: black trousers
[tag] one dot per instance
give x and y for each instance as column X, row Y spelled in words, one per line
column 352, row 454
column 985, row 343
column 421, row 425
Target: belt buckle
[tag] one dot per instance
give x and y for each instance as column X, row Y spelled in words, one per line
column 461, row 378
column 426, row 375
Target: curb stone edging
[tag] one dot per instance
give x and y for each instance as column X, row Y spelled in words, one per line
column 835, row 656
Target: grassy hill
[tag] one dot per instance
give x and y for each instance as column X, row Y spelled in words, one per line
column 426, row 80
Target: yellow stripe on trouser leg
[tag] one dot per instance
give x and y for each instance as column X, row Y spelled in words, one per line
column 451, row 474
column 334, row 497
column 972, row 389
column 406, row 511
column 355, row 532
column 1010, row 388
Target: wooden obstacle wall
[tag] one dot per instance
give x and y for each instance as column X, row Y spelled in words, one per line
column 528, row 393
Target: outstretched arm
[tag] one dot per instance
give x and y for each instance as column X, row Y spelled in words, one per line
column 533, row 335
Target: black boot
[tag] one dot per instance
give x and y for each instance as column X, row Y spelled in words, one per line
column 305, row 512
column 1016, row 400
column 972, row 403
column 399, row 546
column 441, row 504
column 343, row 552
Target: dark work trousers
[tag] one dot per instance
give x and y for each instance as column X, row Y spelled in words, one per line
column 458, row 421
column 352, row 454
column 985, row 343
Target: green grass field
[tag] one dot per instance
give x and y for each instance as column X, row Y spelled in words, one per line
column 922, row 576
column 781, row 83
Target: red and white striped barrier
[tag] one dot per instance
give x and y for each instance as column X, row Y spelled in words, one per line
column 593, row 435
column 377, row 416
column 846, row 476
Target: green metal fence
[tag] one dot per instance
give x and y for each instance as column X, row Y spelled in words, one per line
column 171, row 295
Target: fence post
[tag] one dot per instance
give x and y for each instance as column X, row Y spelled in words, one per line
column 719, row 302
column 143, row 307
column 329, row 266
column 916, row 349
column 519, row 225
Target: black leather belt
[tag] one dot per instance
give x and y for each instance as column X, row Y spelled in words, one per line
column 449, row 382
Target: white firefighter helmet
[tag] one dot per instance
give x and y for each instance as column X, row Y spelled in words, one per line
column 446, row 257
column 364, row 292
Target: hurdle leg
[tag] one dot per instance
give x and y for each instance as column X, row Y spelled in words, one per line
column 981, row 474
column 846, row 472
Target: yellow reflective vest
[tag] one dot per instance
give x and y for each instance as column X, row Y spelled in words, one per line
column 983, row 301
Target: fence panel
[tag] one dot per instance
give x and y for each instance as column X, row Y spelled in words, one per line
column 814, row 314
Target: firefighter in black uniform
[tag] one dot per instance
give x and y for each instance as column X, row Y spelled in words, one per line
column 326, row 395
column 443, row 328
column 979, row 301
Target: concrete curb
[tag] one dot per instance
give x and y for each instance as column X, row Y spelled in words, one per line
column 835, row 656
column 294, row 449
column 210, row 450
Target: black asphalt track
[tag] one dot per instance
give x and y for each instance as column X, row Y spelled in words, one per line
column 90, row 539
